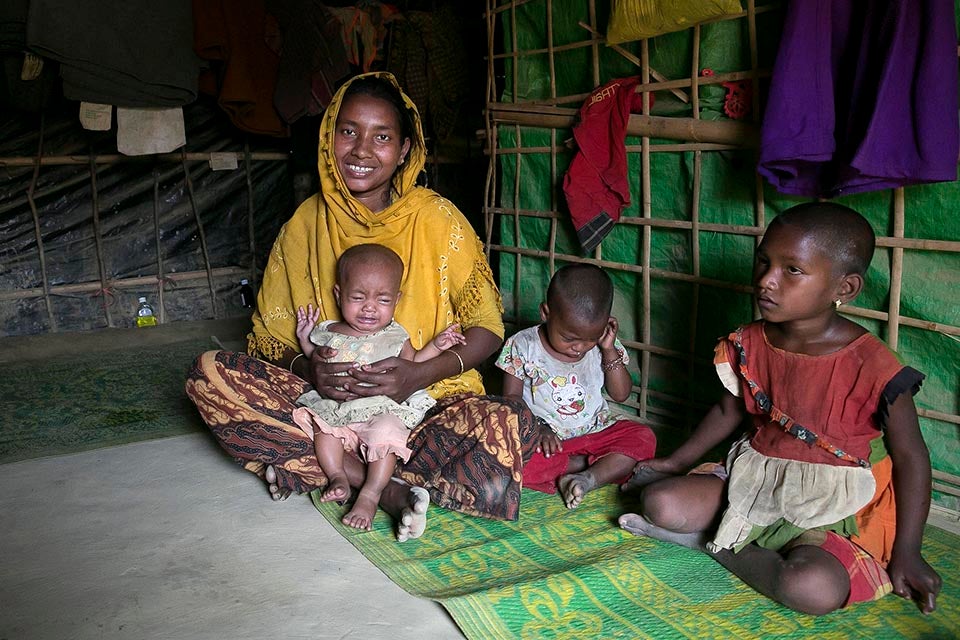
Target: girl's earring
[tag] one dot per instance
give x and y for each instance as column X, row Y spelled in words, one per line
column 837, row 303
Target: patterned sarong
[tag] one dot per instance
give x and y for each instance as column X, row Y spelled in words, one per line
column 468, row 452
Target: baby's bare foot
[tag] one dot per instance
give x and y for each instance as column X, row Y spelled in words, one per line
column 574, row 486
column 337, row 489
column 362, row 513
column 413, row 518
column 640, row 526
column 276, row 492
column 642, row 476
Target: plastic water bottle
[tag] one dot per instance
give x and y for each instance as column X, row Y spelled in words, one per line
column 247, row 298
column 145, row 315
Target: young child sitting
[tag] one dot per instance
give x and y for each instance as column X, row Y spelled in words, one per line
column 560, row 369
column 367, row 290
column 823, row 502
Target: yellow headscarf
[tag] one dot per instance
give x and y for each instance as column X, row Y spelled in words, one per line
column 446, row 276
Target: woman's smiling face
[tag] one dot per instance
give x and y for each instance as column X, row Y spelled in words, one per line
column 368, row 148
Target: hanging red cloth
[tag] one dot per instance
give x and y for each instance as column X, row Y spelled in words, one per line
column 596, row 185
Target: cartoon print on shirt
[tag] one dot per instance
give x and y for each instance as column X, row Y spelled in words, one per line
column 567, row 395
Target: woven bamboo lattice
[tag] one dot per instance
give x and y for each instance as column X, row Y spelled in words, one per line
column 513, row 116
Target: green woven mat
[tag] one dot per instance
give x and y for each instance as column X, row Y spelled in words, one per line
column 573, row 574
column 80, row 401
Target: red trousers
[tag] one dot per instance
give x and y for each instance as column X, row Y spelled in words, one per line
column 624, row 436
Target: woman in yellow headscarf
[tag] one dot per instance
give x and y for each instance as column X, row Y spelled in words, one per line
column 468, row 452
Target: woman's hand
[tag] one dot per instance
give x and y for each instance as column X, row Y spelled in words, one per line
column 395, row 378
column 327, row 377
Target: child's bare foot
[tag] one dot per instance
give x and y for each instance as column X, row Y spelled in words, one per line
column 642, row 476
column 337, row 489
column 574, row 486
column 639, row 526
column 413, row 518
column 361, row 515
column 276, row 492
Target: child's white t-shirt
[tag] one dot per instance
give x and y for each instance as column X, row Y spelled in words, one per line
column 567, row 395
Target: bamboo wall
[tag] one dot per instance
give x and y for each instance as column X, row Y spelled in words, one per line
column 527, row 134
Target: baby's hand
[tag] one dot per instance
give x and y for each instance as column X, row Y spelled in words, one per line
column 306, row 320
column 550, row 442
column 607, row 340
column 449, row 337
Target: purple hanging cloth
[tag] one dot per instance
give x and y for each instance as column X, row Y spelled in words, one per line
column 863, row 97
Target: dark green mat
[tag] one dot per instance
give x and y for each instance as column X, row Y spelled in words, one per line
column 573, row 574
column 80, row 401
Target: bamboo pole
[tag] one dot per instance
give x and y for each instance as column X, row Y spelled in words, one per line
column 948, row 246
column 717, row 227
column 896, row 273
column 490, row 131
column 156, row 230
column 646, row 204
column 118, row 158
column 552, row 265
column 594, row 45
column 938, row 415
column 105, row 290
column 630, row 148
column 718, row 131
column 203, row 236
column 694, row 229
column 491, row 183
column 518, row 278
column 515, row 56
column 760, row 211
column 551, row 62
column 37, row 233
column 663, row 85
column 119, row 283
column 754, row 58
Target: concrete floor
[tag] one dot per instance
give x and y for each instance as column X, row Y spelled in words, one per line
column 169, row 539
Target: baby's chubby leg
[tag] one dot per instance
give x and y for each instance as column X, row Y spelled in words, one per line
column 329, row 450
column 365, row 506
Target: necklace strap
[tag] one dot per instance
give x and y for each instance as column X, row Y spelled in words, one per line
column 787, row 423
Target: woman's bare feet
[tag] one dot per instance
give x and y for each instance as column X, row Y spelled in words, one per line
column 276, row 492
column 413, row 517
column 574, row 486
column 337, row 489
column 363, row 511
column 639, row 526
